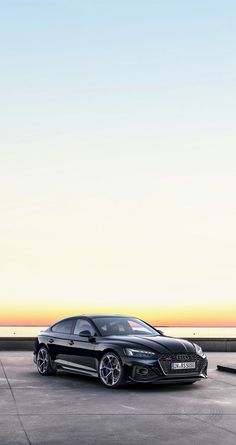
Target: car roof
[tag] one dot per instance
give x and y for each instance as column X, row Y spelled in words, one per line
column 104, row 316
column 96, row 316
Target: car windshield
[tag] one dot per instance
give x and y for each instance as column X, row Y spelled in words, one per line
column 123, row 326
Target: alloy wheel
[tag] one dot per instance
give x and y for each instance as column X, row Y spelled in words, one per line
column 44, row 362
column 110, row 370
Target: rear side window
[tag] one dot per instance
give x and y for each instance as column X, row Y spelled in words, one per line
column 63, row 327
column 83, row 325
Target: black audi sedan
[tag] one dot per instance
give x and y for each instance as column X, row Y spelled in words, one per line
column 118, row 350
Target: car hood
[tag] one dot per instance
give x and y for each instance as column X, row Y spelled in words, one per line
column 160, row 344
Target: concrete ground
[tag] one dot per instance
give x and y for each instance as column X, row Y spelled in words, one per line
column 68, row 410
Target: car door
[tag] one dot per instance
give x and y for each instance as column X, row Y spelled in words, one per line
column 58, row 341
column 82, row 349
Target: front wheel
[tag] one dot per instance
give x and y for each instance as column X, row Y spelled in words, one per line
column 44, row 362
column 111, row 372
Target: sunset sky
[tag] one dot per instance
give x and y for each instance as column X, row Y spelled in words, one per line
column 118, row 160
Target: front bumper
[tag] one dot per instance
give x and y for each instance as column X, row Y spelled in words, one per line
column 160, row 371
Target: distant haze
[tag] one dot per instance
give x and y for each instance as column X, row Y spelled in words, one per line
column 118, row 161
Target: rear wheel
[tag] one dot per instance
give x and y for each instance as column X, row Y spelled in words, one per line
column 111, row 372
column 44, row 362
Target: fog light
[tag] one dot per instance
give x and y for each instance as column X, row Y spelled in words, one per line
column 142, row 371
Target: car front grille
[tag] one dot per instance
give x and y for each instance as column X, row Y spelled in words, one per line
column 165, row 361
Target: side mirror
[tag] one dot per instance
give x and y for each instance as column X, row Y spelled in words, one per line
column 85, row 333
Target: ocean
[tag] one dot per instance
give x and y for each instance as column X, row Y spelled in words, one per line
column 182, row 332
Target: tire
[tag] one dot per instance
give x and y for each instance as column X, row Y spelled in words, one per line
column 110, row 370
column 44, row 362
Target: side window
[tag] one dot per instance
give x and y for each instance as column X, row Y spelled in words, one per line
column 63, row 327
column 83, row 325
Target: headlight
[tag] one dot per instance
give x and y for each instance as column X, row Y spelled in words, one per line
column 138, row 353
column 199, row 350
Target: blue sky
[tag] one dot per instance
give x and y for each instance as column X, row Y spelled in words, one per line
column 117, row 159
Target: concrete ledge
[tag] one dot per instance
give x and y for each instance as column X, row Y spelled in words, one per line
column 215, row 344
column 227, row 368
column 207, row 344
column 17, row 343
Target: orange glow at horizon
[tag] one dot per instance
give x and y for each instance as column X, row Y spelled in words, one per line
column 163, row 316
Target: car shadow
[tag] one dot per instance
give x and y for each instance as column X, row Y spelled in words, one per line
column 67, row 379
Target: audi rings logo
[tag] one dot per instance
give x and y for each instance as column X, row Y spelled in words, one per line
column 183, row 357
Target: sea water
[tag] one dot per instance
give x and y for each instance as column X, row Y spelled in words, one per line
column 182, row 332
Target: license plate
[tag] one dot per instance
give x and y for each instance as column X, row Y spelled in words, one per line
column 183, row 365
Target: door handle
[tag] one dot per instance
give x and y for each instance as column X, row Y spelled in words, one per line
column 71, row 342
column 51, row 340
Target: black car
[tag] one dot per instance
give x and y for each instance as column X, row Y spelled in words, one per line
column 118, row 350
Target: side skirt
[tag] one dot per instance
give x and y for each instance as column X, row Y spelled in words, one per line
column 77, row 371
